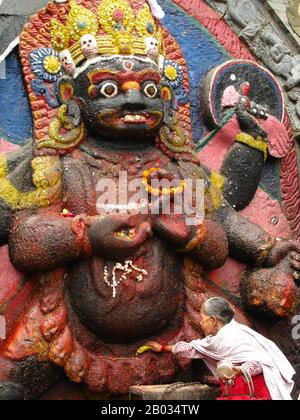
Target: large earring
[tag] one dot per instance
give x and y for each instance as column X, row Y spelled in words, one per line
column 74, row 113
column 167, row 98
column 68, row 118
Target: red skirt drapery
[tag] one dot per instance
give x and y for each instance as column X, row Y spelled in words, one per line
column 240, row 388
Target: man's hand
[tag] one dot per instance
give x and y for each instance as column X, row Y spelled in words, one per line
column 156, row 347
column 236, row 372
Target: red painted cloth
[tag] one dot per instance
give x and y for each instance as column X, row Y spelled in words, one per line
column 240, row 389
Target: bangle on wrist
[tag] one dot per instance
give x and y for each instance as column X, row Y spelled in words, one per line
column 255, row 143
column 164, row 348
column 79, row 226
column 197, row 240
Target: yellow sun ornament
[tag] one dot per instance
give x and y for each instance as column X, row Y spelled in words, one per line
column 52, row 64
column 171, row 73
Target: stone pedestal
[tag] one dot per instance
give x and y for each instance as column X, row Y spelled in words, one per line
column 172, row 392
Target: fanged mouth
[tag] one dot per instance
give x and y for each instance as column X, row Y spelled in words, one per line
column 134, row 118
column 150, row 119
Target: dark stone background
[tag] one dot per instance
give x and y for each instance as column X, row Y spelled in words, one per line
column 13, row 15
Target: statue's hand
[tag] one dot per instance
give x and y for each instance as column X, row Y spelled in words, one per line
column 283, row 249
column 247, row 113
column 273, row 291
column 167, row 225
column 173, row 229
column 118, row 237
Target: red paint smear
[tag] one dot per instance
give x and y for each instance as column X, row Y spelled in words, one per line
column 246, row 89
column 289, row 293
column 68, row 93
column 229, row 275
column 10, row 278
column 16, row 308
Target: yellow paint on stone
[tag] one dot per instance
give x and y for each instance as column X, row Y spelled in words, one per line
column 15, row 198
column 46, row 179
column 216, row 189
column 3, row 166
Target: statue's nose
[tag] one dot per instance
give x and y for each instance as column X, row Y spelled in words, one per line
column 134, row 100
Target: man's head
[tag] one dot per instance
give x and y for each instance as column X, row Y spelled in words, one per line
column 215, row 314
column 120, row 98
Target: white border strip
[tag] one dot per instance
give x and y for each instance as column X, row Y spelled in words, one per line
column 9, row 49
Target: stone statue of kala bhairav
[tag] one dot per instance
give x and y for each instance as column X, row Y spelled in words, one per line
column 102, row 283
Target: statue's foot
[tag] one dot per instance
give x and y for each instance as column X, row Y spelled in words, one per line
column 12, row 391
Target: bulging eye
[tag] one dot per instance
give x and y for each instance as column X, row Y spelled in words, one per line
column 150, row 89
column 109, row 89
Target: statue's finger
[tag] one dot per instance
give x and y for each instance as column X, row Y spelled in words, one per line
column 145, row 231
column 295, row 264
column 295, row 256
column 118, row 220
column 262, row 114
column 131, row 220
column 154, row 175
column 296, row 275
column 254, row 111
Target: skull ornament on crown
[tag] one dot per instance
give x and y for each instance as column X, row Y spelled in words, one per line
column 67, row 62
column 115, row 29
column 89, row 46
column 152, row 47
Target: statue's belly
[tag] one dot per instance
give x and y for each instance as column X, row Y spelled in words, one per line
column 140, row 308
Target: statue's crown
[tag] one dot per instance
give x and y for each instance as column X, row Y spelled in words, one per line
column 115, row 29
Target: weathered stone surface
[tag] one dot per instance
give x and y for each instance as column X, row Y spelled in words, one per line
column 287, row 12
column 13, row 15
column 269, row 41
column 173, row 392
